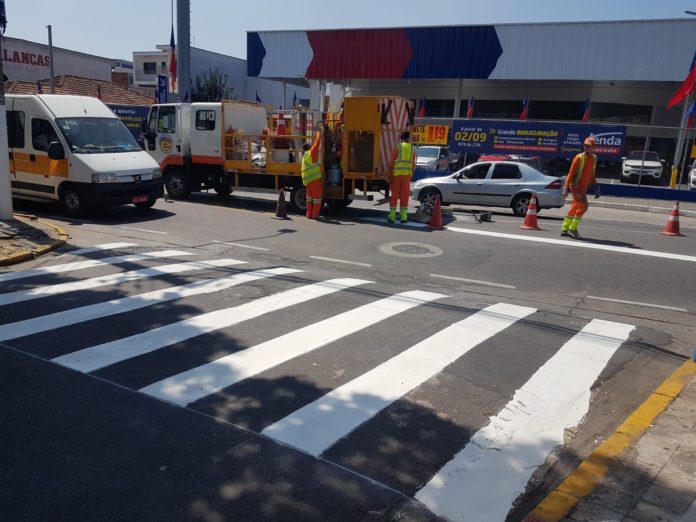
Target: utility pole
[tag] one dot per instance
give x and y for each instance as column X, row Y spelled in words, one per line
column 5, row 190
column 183, row 33
column 50, row 57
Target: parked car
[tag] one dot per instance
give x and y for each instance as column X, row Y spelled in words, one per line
column 432, row 157
column 496, row 184
column 692, row 176
column 537, row 162
column 641, row 164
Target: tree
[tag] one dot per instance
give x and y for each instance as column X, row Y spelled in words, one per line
column 211, row 85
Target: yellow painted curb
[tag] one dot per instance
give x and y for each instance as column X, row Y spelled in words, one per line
column 590, row 473
column 26, row 255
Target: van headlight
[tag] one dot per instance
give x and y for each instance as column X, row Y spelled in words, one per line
column 156, row 173
column 104, row 177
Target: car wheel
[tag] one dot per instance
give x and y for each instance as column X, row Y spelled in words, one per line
column 520, row 204
column 298, row 199
column 177, row 185
column 73, row 201
column 429, row 195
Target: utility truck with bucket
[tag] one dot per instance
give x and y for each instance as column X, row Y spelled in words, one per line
column 236, row 145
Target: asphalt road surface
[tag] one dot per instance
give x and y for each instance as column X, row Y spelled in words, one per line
column 204, row 361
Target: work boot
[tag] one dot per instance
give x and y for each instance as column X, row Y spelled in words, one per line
column 575, row 234
column 392, row 215
column 404, row 216
column 565, row 233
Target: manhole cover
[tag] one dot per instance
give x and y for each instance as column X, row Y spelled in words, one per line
column 411, row 250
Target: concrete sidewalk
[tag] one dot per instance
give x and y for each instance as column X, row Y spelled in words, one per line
column 26, row 237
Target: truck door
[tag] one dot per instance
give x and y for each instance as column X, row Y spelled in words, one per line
column 206, row 135
column 161, row 136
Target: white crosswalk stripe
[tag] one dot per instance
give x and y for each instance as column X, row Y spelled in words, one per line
column 207, row 379
column 134, row 302
column 320, row 424
column 113, row 279
column 482, row 481
column 90, row 263
column 96, row 357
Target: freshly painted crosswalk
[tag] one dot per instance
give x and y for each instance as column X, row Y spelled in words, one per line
column 479, row 478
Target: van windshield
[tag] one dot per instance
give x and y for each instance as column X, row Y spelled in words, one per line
column 97, row 135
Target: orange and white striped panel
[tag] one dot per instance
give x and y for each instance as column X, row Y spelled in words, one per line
column 396, row 122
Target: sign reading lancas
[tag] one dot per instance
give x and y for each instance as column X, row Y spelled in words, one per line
column 559, row 140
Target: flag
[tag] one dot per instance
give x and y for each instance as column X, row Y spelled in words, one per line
column 258, row 100
column 421, row 111
column 690, row 115
column 686, row 87
column 470, row 108
column 294, row 99
column 586, row 110
column 99, row 91
column 39, row 89
column 186, row 96
column 172, row 60
column 525, row 108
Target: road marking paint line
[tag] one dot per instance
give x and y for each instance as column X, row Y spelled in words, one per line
column 134, row 302
column 106, row 354
column 209, row 378
column 320, row 424
column 146, row 230
column 589, row 474
column 90, row 263
column 482, row 481
column 99, row 248
column 473, row 281
column 638, row 303
column 343, row 261
column 577, row 244
column 244, row 246
column 113, row 279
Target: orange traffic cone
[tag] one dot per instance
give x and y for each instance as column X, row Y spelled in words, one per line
column 435, row 222
column 281, row 209
column 530, row 219
column 672, row 226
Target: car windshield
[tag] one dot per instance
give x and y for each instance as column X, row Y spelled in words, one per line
column 649, row 156
column 427, row 152
column 97, row 135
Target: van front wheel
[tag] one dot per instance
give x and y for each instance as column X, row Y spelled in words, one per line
column 73, row 201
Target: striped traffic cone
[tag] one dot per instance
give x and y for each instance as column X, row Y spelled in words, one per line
column 435, row 222
column 672, row 226
column 530, row 219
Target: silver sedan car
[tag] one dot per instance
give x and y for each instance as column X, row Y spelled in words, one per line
column 495, row 184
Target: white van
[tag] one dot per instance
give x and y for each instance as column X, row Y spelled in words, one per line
column 74, row 149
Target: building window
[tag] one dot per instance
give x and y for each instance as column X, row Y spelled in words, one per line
column 150, row 67
column 439, row 108
column 205, row 120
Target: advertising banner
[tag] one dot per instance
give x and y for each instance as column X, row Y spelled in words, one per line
column 162, row 88
column 430, row 134
column 132, row 116
column 528, row 138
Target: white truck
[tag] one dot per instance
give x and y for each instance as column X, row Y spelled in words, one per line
column 75, row 150
column 240, row 145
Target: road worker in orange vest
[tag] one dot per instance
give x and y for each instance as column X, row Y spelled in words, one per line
column 311, row 177
column 580, row 176
column 402, row 164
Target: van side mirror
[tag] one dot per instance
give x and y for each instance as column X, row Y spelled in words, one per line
column 56, row 151
column 143, row 125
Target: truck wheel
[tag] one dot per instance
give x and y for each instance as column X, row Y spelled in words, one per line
column 73, row 202
column 177, row 185
column 298, row 199
column 223, row 188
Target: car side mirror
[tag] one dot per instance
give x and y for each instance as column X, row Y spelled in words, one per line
column 143, row 125
column 56, row 151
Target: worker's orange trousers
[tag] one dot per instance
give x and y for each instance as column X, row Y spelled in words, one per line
column 579, row 205
column 400, row 190
column 315, row 194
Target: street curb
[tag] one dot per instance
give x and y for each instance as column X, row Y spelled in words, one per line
column 591, row 472
column 26, row 255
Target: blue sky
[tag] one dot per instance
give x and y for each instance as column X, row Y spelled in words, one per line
column 116, row 28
